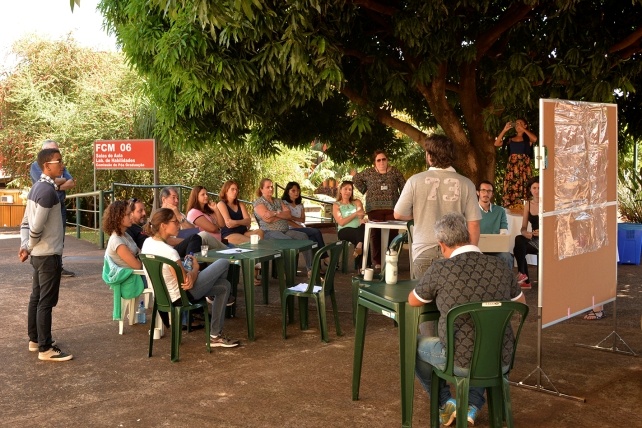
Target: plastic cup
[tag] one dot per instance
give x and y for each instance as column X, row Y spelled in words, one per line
column 254, row 239
column 368, row 274
column 204, row 250
column 157, row 333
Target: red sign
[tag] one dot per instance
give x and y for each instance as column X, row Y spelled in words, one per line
column 124, row 154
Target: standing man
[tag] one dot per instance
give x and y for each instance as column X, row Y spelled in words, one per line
column 64, row 182
column 493, row 219
column 465, row 275
column 429, row 195
column 41, row 236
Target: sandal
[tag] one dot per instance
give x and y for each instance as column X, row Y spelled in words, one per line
column 594, row 316
column 357, row 252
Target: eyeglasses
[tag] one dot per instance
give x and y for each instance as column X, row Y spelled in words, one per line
column 382, row 159
column 56, row 161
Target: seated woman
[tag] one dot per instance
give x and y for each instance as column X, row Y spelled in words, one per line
column 121, row 248
column 273, row 215
column 528, row 242
column 211, row 282
column 202, row 212
column 348, row 213
column 292, row 199
column 121, row 256
column 233, row 217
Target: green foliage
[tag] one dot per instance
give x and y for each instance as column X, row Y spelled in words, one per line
column 294, row 71
column 630, row 195
column 69, row 94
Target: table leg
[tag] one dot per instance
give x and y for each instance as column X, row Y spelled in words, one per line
column 248, row 285
column 359, row 342
column 366, row 245
column 385, row 235
column 408, row 320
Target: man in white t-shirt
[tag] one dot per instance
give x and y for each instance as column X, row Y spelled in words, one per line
column 429, row 195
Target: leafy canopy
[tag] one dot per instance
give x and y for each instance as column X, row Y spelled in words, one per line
column 360, row 74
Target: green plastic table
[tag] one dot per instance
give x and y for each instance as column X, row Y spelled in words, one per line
column 392, row 301
column 247, row 261
column 290, row 249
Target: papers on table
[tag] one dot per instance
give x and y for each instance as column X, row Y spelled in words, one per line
column 304, row 286
column 234, row 251
column 400, row 222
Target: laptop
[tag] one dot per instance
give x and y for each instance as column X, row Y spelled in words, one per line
column 494, row 243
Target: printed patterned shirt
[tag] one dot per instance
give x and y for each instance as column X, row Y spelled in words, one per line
column 467, row 276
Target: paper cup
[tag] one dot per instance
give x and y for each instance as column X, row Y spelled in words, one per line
column 254, row 239
column 157, row 333
column 368, row 274
column 204, row 250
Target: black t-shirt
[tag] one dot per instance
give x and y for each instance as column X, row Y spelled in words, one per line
column 136, row 232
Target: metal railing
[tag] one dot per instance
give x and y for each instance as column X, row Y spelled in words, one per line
column 82, row 204
column 325, row 215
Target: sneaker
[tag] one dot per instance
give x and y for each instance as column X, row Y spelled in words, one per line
column 68, row 273
column 472, row 414
column 33, row 346
column 223, row 341
column 525, row 285
column 522, row 277
column 447, row 413
column 54, row 354
column 231, row 300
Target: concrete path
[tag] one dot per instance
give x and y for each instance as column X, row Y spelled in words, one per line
column 298, row 382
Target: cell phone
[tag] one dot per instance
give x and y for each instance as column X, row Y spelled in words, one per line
column 513, row 124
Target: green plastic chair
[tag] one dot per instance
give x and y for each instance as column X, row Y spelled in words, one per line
column 317, row 288
column 162, row 302
column 491, row 319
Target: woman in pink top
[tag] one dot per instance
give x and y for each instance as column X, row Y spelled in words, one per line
column 202, row 212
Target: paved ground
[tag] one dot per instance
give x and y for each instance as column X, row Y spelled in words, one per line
column 298, row 382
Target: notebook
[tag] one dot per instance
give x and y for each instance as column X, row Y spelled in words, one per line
column 494, row 243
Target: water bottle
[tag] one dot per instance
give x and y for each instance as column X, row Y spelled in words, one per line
column 187, row 263
column 141, row 316
column 392, row 261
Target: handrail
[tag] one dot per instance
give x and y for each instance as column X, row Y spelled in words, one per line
column 322, row 219
column 98, row 214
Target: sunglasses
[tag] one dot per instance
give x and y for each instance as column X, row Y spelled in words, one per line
column 132, row 203
column 56, row 161
column 382, row 159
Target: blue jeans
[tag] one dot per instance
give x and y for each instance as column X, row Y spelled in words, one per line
column 431, row 352
column 314, row 234
column 212, row 282
column 506, row 257
column 45, row 288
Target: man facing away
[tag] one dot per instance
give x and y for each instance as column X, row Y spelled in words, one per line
column 41, row 234
column 493, row 219
column 64, row 182
column 429, row 195
column 465, row 275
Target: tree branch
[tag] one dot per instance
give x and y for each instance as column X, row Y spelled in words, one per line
column 376, row 7
column 515, row 13
column 626, row 42
column 385, row 117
